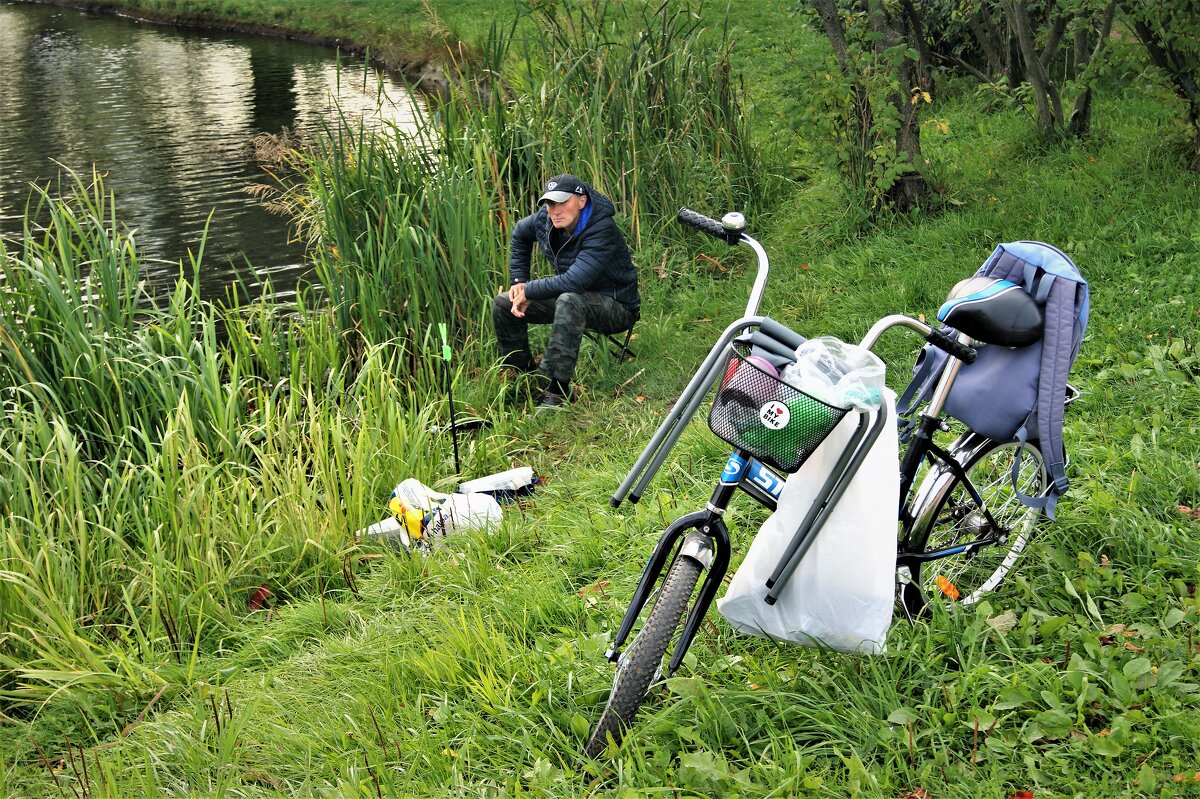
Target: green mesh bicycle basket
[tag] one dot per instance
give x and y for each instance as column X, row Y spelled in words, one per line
column 762, row 415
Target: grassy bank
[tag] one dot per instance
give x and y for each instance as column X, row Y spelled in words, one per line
column 480, row 668
column 410, row 36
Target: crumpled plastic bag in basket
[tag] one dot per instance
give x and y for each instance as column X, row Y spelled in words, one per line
column 845, row 375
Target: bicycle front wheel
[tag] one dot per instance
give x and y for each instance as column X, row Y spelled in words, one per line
column 957, row 521
column 641, row 664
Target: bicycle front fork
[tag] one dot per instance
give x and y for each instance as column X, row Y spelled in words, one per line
column 704, row 537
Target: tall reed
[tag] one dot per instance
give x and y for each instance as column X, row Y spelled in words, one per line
column 159, row 460
column 641, row 99
column 401, row 241
column 409, row 230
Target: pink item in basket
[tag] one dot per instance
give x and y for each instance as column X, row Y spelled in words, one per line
column 751, row 386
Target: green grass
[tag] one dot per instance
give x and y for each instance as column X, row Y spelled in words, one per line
column 481, row 667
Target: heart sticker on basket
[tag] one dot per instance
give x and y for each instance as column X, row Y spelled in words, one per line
column 774, row 415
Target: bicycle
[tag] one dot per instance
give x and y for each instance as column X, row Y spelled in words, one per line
column 961, row 528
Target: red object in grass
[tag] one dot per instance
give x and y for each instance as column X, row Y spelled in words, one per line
column 260, row 598
column 1021, row 795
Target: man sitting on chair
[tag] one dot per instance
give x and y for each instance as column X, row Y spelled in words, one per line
column 594, row 285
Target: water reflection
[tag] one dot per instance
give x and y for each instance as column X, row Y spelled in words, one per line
column 168, row 115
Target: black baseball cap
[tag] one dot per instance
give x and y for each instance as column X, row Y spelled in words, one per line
column 560, row 189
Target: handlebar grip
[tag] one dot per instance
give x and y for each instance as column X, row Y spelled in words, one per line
column 781, row 333
column 951, row 345
column 712, row 227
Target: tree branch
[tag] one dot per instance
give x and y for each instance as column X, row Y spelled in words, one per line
column 1052, row 42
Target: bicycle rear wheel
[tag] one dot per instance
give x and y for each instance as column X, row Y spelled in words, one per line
column 957, row 520
column 641, row 664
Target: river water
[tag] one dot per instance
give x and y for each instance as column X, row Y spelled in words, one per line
column 169, row 116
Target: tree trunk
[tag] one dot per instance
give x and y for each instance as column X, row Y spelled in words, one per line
column 1045, row 93
column 1052, row 42
column 1081, row 115
column 914, row 32
column 861, row 115
column 831, row 21
column 1079, row 53
column 910, row 190
column 985, row 36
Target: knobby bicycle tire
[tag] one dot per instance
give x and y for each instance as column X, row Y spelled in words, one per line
column 640, row 665
column 967, row 576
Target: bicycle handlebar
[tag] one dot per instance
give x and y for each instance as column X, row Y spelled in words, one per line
column 782, row 333
column 951, row 345
column 770, row 334
column 729, row 229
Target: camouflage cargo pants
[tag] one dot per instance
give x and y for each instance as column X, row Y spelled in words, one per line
column 571, row 315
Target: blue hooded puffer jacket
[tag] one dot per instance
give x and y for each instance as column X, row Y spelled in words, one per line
column 593, row 258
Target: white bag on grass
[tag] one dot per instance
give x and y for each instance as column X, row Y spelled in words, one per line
column 422, row 515
column 460, row 512
column 841, row 594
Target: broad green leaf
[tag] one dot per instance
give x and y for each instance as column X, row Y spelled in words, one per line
column 980, row 720
column 1032, row 732
column 1052, row 625
column 1168, row 673
column 699, row 768
column 1105, row 746
column 1147, row 780
column 1136, row 668
column 1055, row 723
column 1092, row 609
column 1011, row 698
column 580, row 725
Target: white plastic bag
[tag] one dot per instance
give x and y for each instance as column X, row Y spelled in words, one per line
column 506, row 486
column 461, row 512
column 421, row 515
column 841, row 594
column 845, row 375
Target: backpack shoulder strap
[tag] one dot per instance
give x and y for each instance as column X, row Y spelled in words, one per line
column 1004, row 265
column 1062, row 292
column 1056, row 283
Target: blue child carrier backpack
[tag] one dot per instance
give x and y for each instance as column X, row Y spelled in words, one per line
column 1018, row 392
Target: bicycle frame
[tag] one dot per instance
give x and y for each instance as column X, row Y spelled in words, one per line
column 703, row 535
column 945, row 507
column 711, row 544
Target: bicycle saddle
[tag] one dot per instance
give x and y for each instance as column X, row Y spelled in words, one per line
column 993, row 311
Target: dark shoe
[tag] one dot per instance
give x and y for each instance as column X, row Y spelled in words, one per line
column 549, row 401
